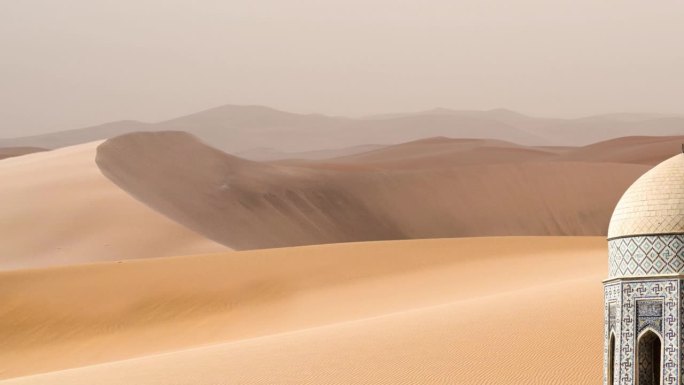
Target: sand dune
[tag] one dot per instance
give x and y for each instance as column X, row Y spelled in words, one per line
column 424, row 311
column 57, row 208
column 447, row 152
column 649, row 150
column 270, row 154
column 433, row 152
column 604, row 127
column 245, row 204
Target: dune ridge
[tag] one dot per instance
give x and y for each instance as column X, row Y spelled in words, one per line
column 433, row 152
column 56, row 208
column 394, row 311
column 425, row 194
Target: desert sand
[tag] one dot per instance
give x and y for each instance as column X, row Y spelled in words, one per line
column 57, row 208
column 495, row 310
column 426, row 153
column 476, row 188
column 444, row 152
column 423, row 189
column 649, row 150
column 467, row 311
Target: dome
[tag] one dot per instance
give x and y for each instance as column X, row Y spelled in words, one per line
column 654, row 204
column 646, row 232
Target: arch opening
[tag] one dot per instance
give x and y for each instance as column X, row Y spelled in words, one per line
column 611, row 360
column 649, row 359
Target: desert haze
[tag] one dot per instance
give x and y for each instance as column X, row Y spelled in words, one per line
column 372, row 192
column 264, row 133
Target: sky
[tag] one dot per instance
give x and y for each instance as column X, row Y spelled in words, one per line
column 74, row 63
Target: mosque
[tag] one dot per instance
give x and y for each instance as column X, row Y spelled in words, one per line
column 644, row 292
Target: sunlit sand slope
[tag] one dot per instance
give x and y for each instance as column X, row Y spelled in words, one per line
column 57, row 208
column 473, row 311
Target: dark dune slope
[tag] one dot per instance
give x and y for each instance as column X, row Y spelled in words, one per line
column 245, row 204
column 236, row 201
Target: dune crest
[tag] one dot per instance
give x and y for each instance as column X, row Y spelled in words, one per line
column 391, row 193
column 57, row 208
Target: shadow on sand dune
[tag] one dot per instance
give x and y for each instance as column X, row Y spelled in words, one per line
column 412, row 191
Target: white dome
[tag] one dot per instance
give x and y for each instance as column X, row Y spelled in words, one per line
column 654, row 204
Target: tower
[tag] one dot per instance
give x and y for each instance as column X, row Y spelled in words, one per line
column 644, row 292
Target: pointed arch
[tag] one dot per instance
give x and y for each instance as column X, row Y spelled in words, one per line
column 649, row 357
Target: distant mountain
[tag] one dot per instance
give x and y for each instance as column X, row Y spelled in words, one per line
column 9, row 152
column 238, row 129
column 246, row 129
column 502, row 115
column 634, row 117
column 81, row 135
column 594, row 129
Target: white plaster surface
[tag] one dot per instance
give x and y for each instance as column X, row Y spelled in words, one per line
column 654, row 204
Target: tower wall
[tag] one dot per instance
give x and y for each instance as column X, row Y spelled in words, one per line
column 643, row 293
column 632, row 306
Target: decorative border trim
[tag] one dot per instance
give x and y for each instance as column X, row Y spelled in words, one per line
column 642, row 235
column 646, row 256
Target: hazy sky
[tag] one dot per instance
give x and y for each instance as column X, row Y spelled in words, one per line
column 73, row 63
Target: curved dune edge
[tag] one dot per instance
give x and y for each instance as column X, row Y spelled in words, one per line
column 253, row 205
column 57, row 208
column 422, row 311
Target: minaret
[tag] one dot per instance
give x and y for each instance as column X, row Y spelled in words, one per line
column 644, row 290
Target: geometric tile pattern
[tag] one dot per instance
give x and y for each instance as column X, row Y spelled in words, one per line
column 646, row 255
column 612, row 316
column 649, row 308
column 681, row 319
column 612, row 309
column 650, row 315
column 644, row 304
column 646, row 309
column 654, row 204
